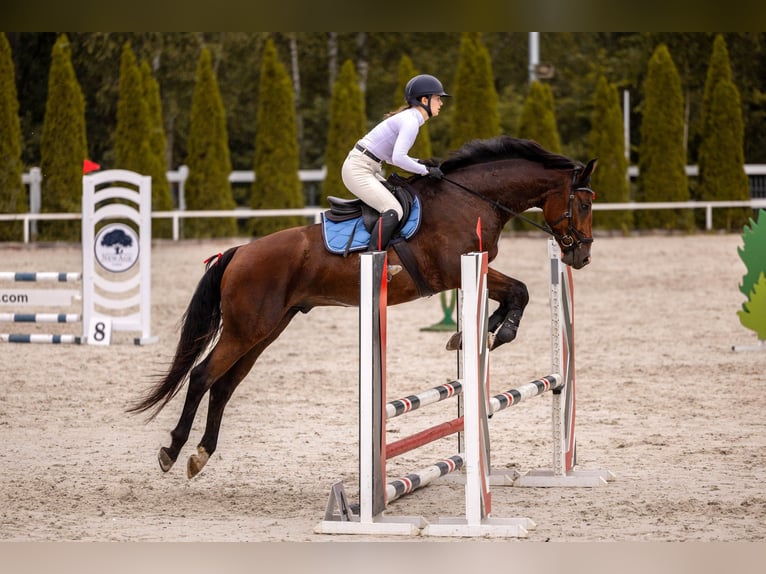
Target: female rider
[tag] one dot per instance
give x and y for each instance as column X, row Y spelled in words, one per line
column 390, row 141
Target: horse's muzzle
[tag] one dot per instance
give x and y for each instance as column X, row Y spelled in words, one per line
column 578, row 257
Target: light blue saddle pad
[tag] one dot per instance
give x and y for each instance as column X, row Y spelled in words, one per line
column 337, row 234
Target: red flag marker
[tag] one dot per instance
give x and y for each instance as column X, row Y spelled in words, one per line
column 89, row 166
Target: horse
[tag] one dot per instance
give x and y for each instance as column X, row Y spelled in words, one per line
column 251, row 292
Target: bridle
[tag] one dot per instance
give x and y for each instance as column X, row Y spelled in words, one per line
column 573, row 238
column 570, row 240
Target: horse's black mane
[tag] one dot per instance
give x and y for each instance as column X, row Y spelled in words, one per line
column 505, row 147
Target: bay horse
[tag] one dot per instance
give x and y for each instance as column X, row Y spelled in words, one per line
column 250, row 293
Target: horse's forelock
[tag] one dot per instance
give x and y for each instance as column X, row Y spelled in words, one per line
column 505, row 147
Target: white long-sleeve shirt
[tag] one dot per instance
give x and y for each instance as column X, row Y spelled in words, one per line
column 392, row 139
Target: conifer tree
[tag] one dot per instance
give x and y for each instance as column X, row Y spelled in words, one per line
column 63, row 146
column 662, row 158
column 538, row 123
column 162, row 199
column 347, row 125
column 475, row 113
column 13, row 196
column 719, row 70
column 421, row 149
column 607, row 143
column 538, row 118
column 208, row 186
column 721, row 153
column 131, row 144
column 277, row 185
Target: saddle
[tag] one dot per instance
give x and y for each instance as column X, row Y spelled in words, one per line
column 346, row 209
column 346, row 227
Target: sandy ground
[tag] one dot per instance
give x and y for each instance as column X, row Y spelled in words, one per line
column 663, row 403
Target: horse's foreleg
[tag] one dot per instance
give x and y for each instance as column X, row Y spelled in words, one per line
column 221, row 392
column 503, row 324
column 513, row 297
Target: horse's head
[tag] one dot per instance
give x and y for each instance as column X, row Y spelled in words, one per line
column 570, row 217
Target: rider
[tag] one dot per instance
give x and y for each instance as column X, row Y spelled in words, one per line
column 391, row 141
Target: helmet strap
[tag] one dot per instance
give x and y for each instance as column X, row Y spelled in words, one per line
column 426, row 108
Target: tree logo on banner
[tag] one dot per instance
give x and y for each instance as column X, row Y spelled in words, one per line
column 116, row 247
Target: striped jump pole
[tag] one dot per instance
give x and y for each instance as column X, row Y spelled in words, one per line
column 40, row 277
column 411, row 482
column 40, row 318
column 40, row 338
column 497, row 403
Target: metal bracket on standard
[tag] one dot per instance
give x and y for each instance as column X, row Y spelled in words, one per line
column 338, row 499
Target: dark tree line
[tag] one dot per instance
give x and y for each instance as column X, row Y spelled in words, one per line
column 314, row 60
column 274, row 102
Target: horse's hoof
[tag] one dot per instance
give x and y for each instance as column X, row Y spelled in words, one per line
column 166, row 463
column 197, row 462
column 455, row 342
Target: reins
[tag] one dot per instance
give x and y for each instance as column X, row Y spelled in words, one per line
column 568, row 241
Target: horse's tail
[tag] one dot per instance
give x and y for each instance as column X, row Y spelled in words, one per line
column 200, row 325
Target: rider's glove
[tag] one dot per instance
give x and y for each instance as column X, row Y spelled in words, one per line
column 435, row 172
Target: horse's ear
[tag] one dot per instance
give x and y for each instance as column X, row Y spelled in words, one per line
column 590, row 168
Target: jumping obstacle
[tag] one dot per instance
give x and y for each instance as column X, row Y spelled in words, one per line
column 474, row 362
column 40, row 298
column 115, row 292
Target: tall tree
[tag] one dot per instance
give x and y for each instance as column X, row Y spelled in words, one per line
column 721, row 155
column 13, row 196
column 719, row 70
column 538, row 118
column 208, row 187
column 662, row 157
column 277, row 185
column 538, row 123
column 347, row 125
column 607, row 143
column 63, row 145
column 162, row 199
column 131, row 144
column 475, row 113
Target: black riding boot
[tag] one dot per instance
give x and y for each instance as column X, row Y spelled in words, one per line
column 384, row 227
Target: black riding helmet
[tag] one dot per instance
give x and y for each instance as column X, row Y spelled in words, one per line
column 423, row 85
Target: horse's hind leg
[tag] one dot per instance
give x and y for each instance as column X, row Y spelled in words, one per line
column 200, row 380
column 221, row 392
column 224, row 355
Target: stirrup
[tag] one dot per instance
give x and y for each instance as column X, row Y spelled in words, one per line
column 393, row 270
